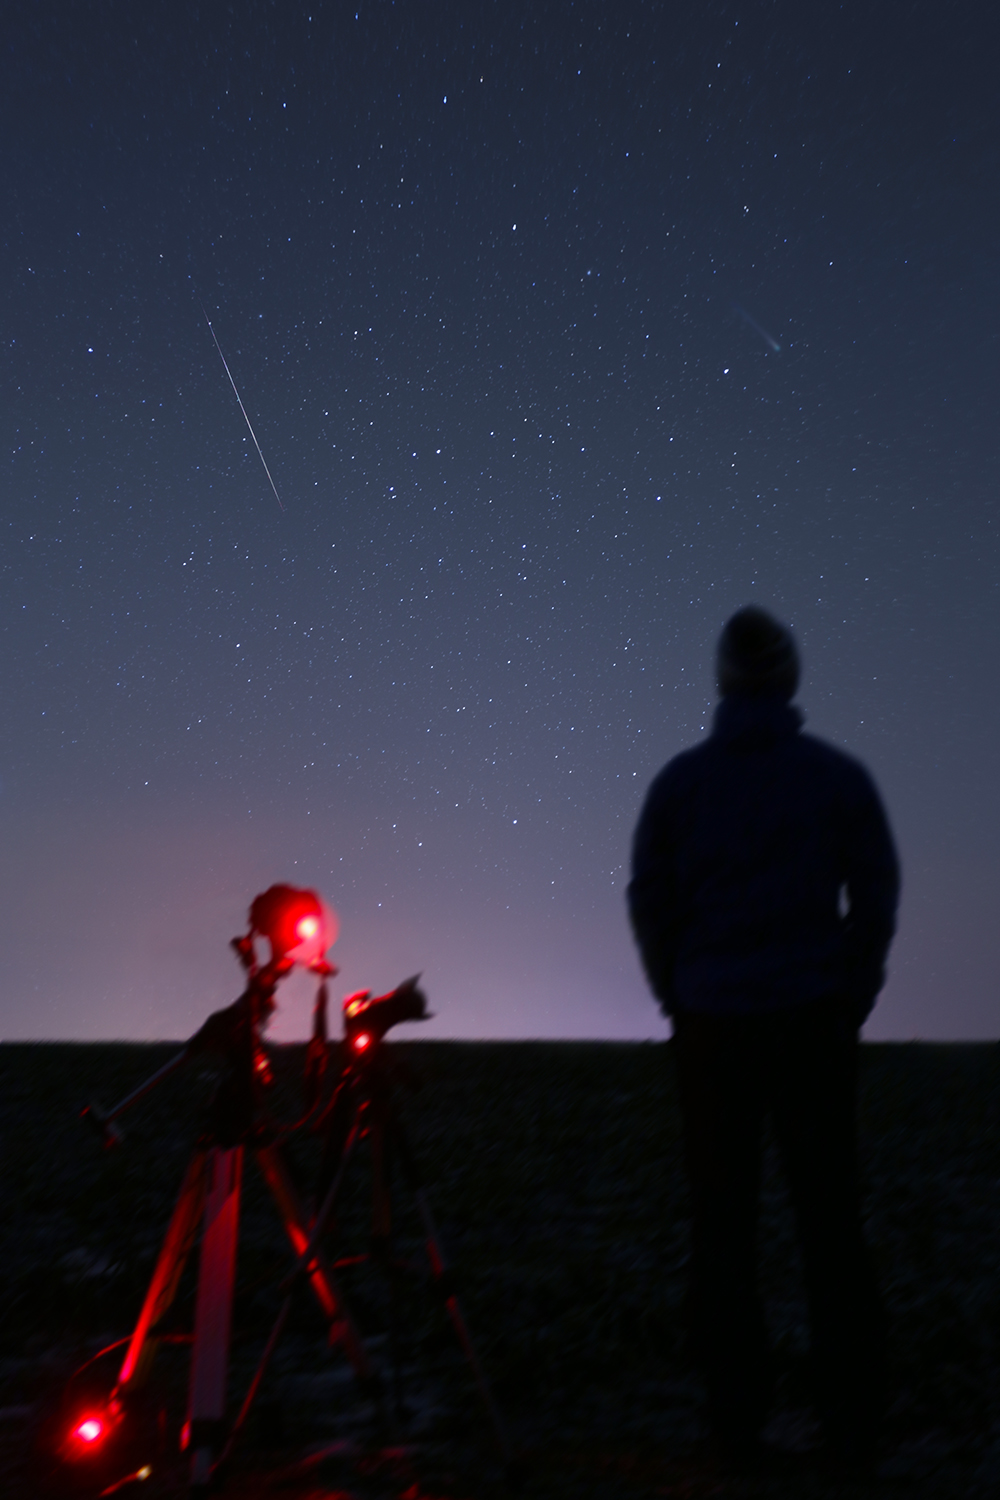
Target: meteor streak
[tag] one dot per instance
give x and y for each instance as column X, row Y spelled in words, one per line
column 243, row 409
column 772, row 343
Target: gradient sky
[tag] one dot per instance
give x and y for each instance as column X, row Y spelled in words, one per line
column 500, row 286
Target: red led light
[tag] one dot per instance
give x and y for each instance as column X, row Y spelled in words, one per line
column 89, row 1430
column 361, row 1041
column 92, row 1430
column 297, row 923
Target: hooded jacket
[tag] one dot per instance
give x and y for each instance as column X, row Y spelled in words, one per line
column 763, row 870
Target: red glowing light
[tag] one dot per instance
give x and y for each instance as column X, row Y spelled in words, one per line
column 297, row 923
column 89, row 1430
column 92, row 1430
column 361, row 1041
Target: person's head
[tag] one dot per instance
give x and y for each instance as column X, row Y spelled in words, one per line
column 757, row 656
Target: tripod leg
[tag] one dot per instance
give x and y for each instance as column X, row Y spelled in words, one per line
column 307, row 1263
column 443, row 1279
column 170, row 1263
column 335, row 1124
column 380, row 1145
column 213, row 1309
column 321, row 1277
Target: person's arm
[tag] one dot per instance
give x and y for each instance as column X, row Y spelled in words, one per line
column 651, row 895
column 872, row 880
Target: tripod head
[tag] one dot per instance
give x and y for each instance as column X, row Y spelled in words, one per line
column 299, row 927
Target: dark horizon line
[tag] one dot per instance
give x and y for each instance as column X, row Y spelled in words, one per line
column 488, row 1041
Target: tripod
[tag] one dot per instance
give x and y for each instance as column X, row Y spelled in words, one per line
column 210, row 1197
column 363, row 1104
column 298, row 928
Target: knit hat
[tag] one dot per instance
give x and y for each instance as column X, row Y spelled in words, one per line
column 757, row 655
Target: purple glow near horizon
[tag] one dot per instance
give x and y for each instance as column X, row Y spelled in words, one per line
column 493, row 285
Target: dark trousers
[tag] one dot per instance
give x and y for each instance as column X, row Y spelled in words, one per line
column 800, row 1066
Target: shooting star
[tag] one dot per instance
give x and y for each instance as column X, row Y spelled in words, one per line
column 243, row 409
column 772, row 344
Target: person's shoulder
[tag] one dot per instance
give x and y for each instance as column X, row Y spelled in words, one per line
column 682, row 768
column 834, row 760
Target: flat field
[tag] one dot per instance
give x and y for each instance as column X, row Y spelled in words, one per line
column 554, row 1173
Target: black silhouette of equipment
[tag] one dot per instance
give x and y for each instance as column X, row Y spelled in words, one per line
column 299, row 929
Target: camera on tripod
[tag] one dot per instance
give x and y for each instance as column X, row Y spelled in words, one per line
column 298, row 928
column 368, row 1017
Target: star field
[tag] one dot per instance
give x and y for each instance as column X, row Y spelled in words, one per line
column 499, row 288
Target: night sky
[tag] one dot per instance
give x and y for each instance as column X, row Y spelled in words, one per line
column 565, row 330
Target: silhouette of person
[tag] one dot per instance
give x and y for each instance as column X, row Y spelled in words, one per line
column 763, row 900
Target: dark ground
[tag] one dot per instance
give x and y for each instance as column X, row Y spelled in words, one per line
column 554, row 1172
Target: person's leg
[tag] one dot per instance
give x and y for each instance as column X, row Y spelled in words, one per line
column 815, row 1058
column 722, row 1106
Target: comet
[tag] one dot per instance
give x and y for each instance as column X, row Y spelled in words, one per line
column 771, row 343
column 243, row 409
